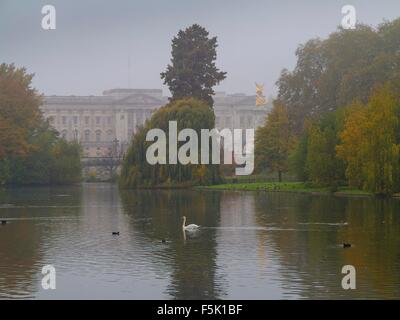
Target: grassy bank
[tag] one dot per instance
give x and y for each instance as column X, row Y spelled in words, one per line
column 287, row 187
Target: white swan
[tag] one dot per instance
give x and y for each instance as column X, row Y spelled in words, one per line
column 190, row 227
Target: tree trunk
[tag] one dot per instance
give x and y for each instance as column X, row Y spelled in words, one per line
column 280, row 176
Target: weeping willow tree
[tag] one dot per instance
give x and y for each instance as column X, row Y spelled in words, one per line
column 136, row 171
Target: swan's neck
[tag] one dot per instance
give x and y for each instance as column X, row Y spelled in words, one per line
column 184, row 222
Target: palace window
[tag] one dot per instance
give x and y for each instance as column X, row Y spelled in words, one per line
column 98, row 136
column 87, row 120
column 97, row 120
column 75, row 119
column 109, row 135
column 64, row 120
column 87, row 135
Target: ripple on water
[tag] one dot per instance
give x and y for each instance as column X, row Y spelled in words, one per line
column 245, row 248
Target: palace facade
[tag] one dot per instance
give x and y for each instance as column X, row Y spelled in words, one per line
column 101, row 122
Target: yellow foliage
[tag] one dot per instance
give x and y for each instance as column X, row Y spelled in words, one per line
column 369, row 143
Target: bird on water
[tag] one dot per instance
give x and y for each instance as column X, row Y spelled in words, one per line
column 190, row 227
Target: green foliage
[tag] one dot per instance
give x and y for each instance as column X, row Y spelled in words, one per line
column 322, row 165
column 359, row 143
column 343, row 68
column 30, row 151
column 52, row 161
column 298, row 158
column 192, row 72
column 274, row 141
column 347, row 120
column 66, row 165
column 370, row 143
column 137, row 172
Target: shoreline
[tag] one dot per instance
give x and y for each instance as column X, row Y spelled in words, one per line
column 288, row 187
column 291, row 187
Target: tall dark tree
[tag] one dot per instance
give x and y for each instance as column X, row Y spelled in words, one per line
column 192, row 72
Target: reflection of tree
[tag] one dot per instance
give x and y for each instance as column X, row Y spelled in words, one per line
column 193, row 261
column 22, row 240
column 310, row 255
column 376, row 234
column 114, row 155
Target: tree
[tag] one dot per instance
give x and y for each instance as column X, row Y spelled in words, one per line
column 19, row 110
column 136, row 171
column 323, row 167
column 12, row 139
column 352, row 137
column 192, row 72
column 66, row 165
column 333, row 73
column 274, row 142
column 30, row 151
column 114, row 156
column 370, row 143
column 298, row 158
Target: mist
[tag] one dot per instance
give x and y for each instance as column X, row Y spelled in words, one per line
column 101, row 44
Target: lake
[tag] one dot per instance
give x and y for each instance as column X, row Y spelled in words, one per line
column 251, row 245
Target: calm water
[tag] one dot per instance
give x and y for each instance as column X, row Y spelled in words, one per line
column 251, row 245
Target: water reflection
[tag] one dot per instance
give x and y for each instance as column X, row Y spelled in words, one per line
column 33, row 215
column 190, row 256
column 311, row 258
column 251, row 245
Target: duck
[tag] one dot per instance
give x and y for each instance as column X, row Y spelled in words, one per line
column 190, row 227
column 115, row 233
column 346, row 245
column 3, row 221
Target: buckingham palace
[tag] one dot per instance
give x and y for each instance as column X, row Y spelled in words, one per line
column 97, row 122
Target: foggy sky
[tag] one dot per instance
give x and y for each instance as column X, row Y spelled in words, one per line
column 101, row 44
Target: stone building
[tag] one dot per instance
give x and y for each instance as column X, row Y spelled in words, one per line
column 101, row 122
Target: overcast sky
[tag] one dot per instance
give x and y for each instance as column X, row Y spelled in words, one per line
column 103, row 44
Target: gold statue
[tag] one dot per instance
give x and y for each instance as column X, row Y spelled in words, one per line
column 260, row 98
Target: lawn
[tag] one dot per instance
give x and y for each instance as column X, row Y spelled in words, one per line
column 285, row 187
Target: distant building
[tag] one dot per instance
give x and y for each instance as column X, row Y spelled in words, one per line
column 98, row 122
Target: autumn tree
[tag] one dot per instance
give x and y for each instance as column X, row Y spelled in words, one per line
column 19, row 110
column 334, row 72
column 370, row 143
column 274, row 142
column 30, row 150
column 192, row 72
